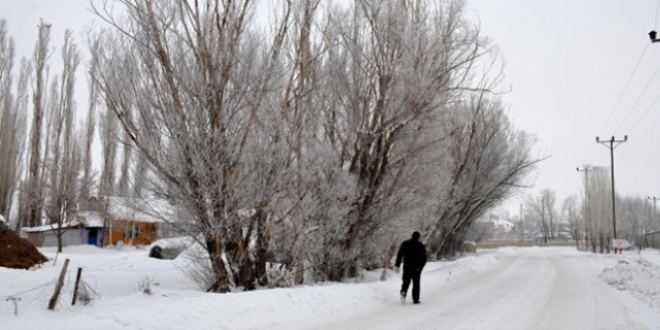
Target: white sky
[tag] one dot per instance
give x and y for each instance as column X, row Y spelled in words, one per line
column 568, row 63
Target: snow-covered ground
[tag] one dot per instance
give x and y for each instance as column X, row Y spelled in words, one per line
column 508, row 288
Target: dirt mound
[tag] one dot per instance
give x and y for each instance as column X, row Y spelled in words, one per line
column 17, row 252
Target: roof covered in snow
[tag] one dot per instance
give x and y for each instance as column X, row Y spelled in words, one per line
column 91, row 219
column 50, row 227
column 142, row 210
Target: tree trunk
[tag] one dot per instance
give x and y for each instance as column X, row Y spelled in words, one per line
column 214, row 248
column 247, row 272
column 263, row 237
column 59, row 240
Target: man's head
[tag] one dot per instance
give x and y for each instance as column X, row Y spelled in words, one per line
column 416, row 235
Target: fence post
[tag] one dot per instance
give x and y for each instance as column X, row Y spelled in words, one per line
column 58, row 287
column 15, row 300
column 75, row 288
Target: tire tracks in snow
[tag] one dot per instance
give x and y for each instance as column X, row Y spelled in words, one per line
column 542, row 288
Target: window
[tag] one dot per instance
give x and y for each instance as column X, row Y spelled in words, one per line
column 132, row 232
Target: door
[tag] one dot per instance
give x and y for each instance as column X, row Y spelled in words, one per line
column 92, row 236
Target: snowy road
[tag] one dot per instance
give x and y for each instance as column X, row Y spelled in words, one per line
column 538, row 289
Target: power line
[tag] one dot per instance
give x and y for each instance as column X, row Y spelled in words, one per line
column 655, row 73
column 657, row 8
column 618, row 101
column 644, row 114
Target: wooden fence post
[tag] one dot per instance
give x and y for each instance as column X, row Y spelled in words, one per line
column 75, row 287
column 15, row 300
column 58, row 287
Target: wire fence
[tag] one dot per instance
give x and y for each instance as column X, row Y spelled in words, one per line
column 38, row 298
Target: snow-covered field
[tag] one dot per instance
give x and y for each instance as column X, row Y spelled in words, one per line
column 508, row 288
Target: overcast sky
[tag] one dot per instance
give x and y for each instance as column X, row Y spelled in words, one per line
column 568, row 63
column 567, row 66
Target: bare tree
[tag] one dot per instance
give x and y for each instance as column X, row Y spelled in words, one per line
column 34, row 194
column 634, row 219
column 88, row 178
column 541, row 208
column 13, row 111
column 550, row 210
column 571, row 212
column 486, row 162
column 64, row 162
column 125, row 173
column 599, row 196
column 389, row 68
column 187, row 96
column 315, row 144
column 109, row 140
column 535, row 212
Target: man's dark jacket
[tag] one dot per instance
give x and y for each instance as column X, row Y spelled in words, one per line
column 413, row 253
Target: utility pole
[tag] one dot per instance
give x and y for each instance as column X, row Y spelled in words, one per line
column 613, row 143
column 587, row 212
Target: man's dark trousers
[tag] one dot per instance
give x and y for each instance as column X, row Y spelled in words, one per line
column 413, row 275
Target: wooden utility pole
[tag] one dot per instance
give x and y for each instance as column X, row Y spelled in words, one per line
column 613, row 143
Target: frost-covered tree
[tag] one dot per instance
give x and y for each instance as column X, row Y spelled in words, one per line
column 109, row 133
column 64, row 159
column 13, row 114
column 485, row 162
column 90, row 126
column 191, row 82
column 536, row 211
column 398, row 75
column 314, row 143
column 34, row 203
column 550, row 203
column 572, row 214
column 635, row 217
column 599, row 199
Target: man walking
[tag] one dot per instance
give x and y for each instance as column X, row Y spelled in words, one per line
column 413, row 254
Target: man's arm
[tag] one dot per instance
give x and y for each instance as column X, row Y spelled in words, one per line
column 399, row 256
column 424, row 257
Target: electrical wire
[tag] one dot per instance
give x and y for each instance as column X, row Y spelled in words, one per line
column 657, row 8
column 618, row 101
column 655, row 73
column 657, row 11
column 645, row 112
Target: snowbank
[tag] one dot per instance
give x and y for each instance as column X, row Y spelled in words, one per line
column 640, row 277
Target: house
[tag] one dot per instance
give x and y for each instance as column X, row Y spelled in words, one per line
column 127, row 220
column 73, row 233
column 106, row 221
